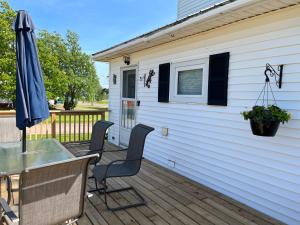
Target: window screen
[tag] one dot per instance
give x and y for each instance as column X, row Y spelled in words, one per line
column 128, row 84
column 190, row 82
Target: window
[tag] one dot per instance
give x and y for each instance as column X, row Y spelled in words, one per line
column 129, row 84
column 189, row 81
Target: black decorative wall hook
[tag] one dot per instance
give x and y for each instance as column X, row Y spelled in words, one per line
column 277, row 74
column 148, row 81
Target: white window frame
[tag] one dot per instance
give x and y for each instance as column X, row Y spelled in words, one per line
column 183, row 66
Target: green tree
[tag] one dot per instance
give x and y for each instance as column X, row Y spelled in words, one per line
column 93, row 88
column 102, row 94
column 68, row 72
column 7, row 52
column 53, row 56
column 81, row 72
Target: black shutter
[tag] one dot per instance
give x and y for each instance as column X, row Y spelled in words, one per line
column 164, row 82
column 218, row 79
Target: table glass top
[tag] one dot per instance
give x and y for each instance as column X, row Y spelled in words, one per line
column 39, row 152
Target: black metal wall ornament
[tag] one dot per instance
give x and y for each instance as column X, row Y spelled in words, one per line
column 277, row 74
column 148, row 80
column 267, row 89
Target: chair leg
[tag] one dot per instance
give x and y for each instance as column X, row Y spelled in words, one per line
column 13, row 197
column 106, row 192
column 97, row 189
column 13, row 190
column 8, row 188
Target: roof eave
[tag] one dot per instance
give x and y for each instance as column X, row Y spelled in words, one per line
column 100, row 56
column 144, row 40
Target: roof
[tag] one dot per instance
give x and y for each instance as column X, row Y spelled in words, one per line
column 219, row 15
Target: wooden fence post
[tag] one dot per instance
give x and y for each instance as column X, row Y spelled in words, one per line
column 53, row 124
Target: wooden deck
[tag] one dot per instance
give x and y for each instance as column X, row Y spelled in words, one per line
column 171, row 200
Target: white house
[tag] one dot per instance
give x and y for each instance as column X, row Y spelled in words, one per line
column 188, row 7
column 207, row 67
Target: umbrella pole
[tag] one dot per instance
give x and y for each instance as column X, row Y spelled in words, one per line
column 24, row 140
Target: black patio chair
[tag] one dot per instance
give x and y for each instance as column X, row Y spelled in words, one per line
column 96, row 144
column 124, row 168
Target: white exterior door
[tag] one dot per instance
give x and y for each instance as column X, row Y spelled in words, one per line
column 128, row 103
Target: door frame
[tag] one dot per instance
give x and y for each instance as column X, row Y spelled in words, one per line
column 122, row 69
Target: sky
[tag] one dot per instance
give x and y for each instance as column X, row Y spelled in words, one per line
column 99, row 23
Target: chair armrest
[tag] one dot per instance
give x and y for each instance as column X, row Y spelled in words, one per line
column 119, row 161
column 122, row 160
column 118, row 150
column 8, row 211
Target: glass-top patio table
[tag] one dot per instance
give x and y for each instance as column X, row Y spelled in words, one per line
column 39, row 153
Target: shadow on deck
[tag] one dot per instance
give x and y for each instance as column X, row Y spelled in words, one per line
column 171, row 200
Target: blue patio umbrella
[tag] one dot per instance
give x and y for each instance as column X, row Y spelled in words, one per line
column 31, row 101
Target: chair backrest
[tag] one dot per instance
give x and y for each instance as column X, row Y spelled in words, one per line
column 136, row 143
column 98, row 135
column 54, row 193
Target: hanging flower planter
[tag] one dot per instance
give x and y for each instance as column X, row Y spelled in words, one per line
column 264, row 129
column 265, row 119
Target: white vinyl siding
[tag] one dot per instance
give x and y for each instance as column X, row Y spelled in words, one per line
column 189, row 7
column 213, row 145
column 114, row 101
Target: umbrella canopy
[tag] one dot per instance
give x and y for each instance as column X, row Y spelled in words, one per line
column 31, row 101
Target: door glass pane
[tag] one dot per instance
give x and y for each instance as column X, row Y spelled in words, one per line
column 128, row 114
column 128, row 84
column 190, row 82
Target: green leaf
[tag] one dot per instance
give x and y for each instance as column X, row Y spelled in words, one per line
column 267, row 114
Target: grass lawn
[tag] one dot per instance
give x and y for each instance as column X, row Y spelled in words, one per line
column 82, row 106
column 87, row 105
column 103, row 102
